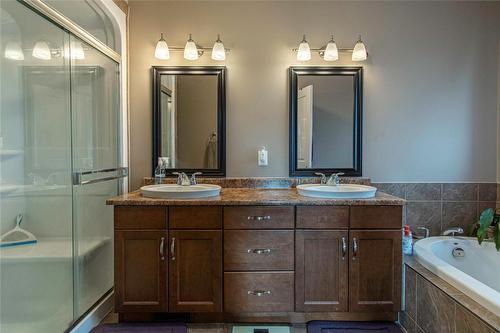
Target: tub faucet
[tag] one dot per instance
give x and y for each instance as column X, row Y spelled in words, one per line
column 453, row 231
column 426, row 230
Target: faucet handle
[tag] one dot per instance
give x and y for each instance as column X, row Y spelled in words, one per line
column 334, row 179
column 193, row 178
column 323, row 177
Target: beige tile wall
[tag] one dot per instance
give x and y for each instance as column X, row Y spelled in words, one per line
column 441, row 206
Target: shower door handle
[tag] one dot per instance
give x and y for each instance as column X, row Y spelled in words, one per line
column 78, row 176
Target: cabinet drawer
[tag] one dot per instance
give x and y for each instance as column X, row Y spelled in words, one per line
column 376, row 217
column 253, row 250
column 140, row 217
column 195, row 217
column 323, row 217
column 259, row 217
column 258, row 292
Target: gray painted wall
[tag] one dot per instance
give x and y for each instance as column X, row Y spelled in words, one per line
column 430, row 84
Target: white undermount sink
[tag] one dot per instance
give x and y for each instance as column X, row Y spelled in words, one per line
column 342, row 191
column 173, row 191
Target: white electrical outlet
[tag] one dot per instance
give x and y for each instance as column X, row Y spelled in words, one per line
column 262, row 157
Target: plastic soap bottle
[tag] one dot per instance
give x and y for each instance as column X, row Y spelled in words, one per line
column 407, row 241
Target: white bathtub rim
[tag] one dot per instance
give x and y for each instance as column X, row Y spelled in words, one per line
column 475, row 289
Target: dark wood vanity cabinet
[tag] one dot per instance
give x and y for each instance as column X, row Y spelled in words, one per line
column 195, row 271
column 321, row 271
column 140, row 271
column 375, row 270
column 259, row 259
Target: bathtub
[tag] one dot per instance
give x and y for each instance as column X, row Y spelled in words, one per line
column 476, row 273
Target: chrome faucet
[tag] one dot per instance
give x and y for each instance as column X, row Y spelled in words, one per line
column 453, row 231
column 426, row 230
column 193, row 178
column 182, row 178
column 333, row 180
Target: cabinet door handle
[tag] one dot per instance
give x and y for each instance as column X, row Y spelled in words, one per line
column 344, row 248
column 172, row 248
column 259, row 218
column 259, row 251
column 162, row 246
column 259, row 293
column 354, row 248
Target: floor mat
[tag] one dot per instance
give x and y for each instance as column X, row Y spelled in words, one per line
column 140, row 327
column 351, row 327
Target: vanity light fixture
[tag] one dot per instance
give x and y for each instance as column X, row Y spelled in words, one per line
column 359, row 51
column 191, row 50
column 13, row 51
column 304, row 51
column 162, row 52
column 218, row 51
column 330, row 52
column 42, row 51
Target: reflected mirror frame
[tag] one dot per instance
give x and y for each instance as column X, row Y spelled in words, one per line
column 220, row 72
column 357, row 74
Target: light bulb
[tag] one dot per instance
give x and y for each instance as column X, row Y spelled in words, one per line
column 41, row 51
column 359, row 52
column 331, row 51
column 190, row 50
column 304, row 52
column 13, row 51
column 162, row 52
column 218, row 51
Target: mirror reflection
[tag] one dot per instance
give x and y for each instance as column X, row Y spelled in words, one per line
column 325, row 117
column 326, row 111
column 188, row 118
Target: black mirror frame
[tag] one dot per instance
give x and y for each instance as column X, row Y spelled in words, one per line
column 357, row 73
column 220, row 71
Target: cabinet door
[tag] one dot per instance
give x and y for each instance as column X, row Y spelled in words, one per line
column 321, row 271
column 140, row 271
column 375, row 270
column 195, row 271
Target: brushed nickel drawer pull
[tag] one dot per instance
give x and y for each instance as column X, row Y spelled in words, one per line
column 259, row 251
column 354, row 248
column 259, row 218
column 162, row 245
column 172, row 248
column 259, row 293
column 344, row 248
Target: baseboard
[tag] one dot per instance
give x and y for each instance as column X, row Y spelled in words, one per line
column 95, row 316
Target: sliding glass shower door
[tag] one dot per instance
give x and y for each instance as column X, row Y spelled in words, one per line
column 95, row 118
column 36, row 280
column 59, row 162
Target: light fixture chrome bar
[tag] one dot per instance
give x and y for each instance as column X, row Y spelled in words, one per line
column 179, row 48
column 323, row 49
column 72, row 27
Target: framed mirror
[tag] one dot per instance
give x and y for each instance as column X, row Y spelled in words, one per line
column 189, row 107
column 325, row 120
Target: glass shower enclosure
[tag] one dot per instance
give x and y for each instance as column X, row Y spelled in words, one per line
column 59, row 162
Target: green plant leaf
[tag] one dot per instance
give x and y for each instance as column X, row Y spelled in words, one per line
column 471, row 229
column 496, row 236
column 485, row 221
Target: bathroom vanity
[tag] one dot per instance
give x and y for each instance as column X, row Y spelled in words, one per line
column 258, row 255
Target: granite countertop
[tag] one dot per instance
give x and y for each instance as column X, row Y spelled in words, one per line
column 254, row 196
